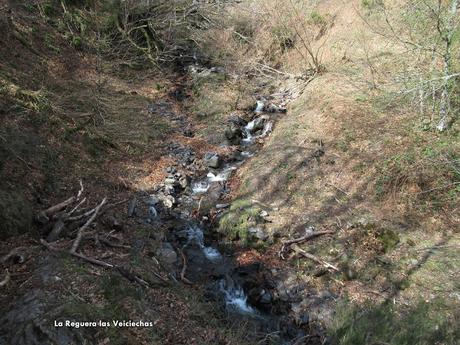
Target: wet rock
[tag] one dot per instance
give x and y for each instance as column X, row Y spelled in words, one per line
column 167, row 253
column 234, row 133
column 184, row 181
column 265, row 297
column 237, row 120
column 170, row 181
column 259, row 124
column 169, row 190
column 236, row 156
column 183, row 154
column 212, row 160
column 168, row 200
column 268, row 128
column 171, row 170
column 153, row 200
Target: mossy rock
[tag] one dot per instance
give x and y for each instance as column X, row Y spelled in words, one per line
column 236, row 223
column 16, row 214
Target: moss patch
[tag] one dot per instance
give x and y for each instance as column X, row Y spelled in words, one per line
column 241, row 216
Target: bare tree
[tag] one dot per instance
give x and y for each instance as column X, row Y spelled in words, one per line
column 426, row 29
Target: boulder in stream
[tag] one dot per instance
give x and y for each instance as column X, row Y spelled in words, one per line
column 234, row 133
column 212, row 160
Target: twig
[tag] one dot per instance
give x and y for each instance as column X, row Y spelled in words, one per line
column 184, row 268
column 339, row 189
column 81, row 190
column 83, row 228
column 302, row 252
column 76, row 207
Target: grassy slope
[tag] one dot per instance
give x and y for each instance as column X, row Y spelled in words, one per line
column 386, row 186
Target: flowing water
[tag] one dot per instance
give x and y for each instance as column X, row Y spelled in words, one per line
column 195, row 235
column 234, row 296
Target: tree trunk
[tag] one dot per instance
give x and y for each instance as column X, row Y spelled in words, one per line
column 444, row 107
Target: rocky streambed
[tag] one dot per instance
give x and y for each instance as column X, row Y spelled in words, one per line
column 274, row 301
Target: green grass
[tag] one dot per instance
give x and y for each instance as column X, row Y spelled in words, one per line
column 235, row 224
column 423, row 324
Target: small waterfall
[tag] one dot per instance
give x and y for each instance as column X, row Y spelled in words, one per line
column 247, row 132
column 195, row 234
column 222, row 176
column 260, row 107
column 247, row 154
column 235, row 298
column 200, row 187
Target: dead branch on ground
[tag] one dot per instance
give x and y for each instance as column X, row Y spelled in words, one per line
column 302, row 252
column 306, row 237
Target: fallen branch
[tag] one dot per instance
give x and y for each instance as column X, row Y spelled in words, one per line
column 56, row 208
column 83, row 228
column 306, row 237
column 78, row 255
column 314, row 258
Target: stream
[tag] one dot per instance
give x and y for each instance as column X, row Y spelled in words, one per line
column 263, row 297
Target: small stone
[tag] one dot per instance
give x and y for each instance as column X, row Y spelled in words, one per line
column 325, row 295
column 258, row 233
column 171, row 181
column 168, row 201
column 212, row 160
column 184, row 181
column 234, row 134
column 167, row 253
column 153, row 200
